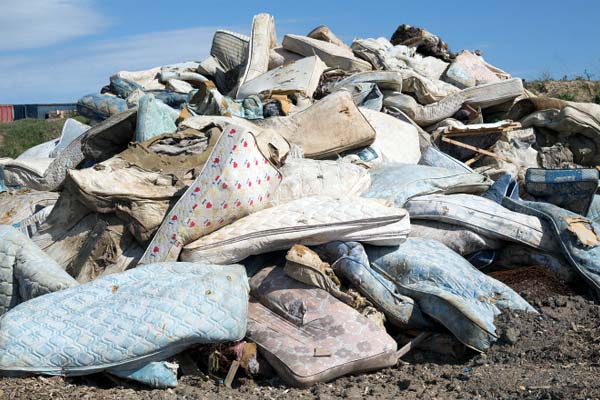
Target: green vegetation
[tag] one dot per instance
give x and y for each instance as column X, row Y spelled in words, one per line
column 566, row 96
column 545, row 76
column 18, row 136
column 81, row 118
column 596, row 98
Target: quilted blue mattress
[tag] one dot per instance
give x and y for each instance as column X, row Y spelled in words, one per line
column 125, row 320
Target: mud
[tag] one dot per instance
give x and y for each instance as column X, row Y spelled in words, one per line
column 551, row 355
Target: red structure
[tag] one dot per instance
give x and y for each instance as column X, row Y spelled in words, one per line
column 6, row 113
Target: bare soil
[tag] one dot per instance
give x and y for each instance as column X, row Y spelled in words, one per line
column 551, row 355
column 574, row 90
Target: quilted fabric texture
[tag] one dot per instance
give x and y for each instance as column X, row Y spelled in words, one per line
column 26, row 271
column 93, row 144
column 571, row 120
column 469, row 70
column 444, row 285
column 71, row 130
column 332, row 55
column 485, row 217
column 400, row 182
column 230, row 48
column 41, row 150
column 158, row 374
column 433, row 157
column 571, row 189
column 141, row 315
column 310, row 336
column 326, row 128
column 350, row 261
column 52, row 148
column 577, row 237
column 152, row 120
column 301, row 76
column 308, row 221
column 123, row 87
column 16, row 206
column 459, row 239
column 262, row 39
column 304, row 177
column 31, row 224
column 100, row 106
column 485, row 95
column 396, row 141
column 237, row 180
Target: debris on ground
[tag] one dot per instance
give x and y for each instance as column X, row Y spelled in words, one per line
column 306, row 219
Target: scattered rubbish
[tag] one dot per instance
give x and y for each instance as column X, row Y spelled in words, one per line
column 304, row 265
column 52, row 148
column 326, row 128
column 26, row 271
column 349, row 262
column 365, row 188
column 571, row 189
column 98, row 107
column 426, row 271
column 401, row 182
column 468, row 70
column 309, row 221
column 300, row 77
column 425, row 42
column 331, row 54
column 109, row 136
column 236, row 179
column 303, row 177
column 129, row 327
column 18, row 205
column 329, row 338
column 395, row 140
column 461, row 239
column 485, row 217
column 152, row 120
column 580, row 246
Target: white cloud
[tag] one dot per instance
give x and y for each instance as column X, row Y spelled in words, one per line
column 66, row 73
column 71, row 72
column 27, row 24
column 158, row 48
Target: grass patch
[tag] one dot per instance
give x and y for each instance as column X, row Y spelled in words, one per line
column 81, row 118
column 18, row 136
column 566, row 97
column 597, row 97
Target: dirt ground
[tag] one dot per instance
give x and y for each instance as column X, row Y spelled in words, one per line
column 571, row 90
column 551, row 355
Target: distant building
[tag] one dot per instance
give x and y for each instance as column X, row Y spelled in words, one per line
column 13, row 112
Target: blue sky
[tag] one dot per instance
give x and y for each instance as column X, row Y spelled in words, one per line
column 59, row 50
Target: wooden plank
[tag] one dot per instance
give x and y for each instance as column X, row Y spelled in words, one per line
column 412, row 344
column 457, row 132
column 231, row 374
column 477, row 149
column 477, row 157
column 473, row 133
column 473, row 160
